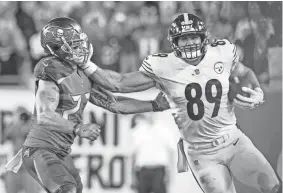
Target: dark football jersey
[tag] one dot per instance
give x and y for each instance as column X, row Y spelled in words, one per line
column 74, row 88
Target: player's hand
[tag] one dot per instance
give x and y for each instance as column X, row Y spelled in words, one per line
column 81, row 61
column 88, row 131
column 255, row 99
column 85, row 65
column 160, row 103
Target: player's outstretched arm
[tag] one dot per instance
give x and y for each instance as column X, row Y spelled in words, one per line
column 124, row 105
column 115, row 82
column 123, row 83
column 46, row 102
column 256, row 94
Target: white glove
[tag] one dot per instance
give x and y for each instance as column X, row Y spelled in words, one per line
column 88, row 67
column 256, row 98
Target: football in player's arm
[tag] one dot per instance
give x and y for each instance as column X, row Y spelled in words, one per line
column 145, row 79
column 47, row 100
column 256, row 95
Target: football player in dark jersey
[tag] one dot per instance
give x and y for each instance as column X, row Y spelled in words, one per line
column 62, row 92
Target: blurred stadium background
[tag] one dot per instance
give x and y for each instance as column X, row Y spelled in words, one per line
column 123, row 33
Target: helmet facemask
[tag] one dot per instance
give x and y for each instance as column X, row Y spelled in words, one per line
column 76, row 51
column 189, row 51
column 188, row 24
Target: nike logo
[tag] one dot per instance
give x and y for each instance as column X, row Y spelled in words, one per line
column 236, row 142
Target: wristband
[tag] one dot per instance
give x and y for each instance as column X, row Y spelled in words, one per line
column 76, row 129
column 155, row 106
column 90, row 68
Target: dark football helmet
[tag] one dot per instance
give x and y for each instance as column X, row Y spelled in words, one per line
column 64, row 38
column 188, row 24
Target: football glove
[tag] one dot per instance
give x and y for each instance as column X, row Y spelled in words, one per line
column 88, row 67
column 256, row 98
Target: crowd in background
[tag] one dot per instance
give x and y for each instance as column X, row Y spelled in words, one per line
column 124, row 33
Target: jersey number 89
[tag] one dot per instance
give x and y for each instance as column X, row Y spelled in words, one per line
column 196, row 100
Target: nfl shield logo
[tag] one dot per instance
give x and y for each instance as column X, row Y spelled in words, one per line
column 197, row 71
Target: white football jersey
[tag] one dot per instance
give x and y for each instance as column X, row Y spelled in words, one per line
column 201, row 92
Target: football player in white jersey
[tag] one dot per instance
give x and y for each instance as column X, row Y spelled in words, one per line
column 195, row 76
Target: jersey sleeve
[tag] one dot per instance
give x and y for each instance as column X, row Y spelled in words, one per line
column 231, row 52
column 148, row 66
column 51, row 70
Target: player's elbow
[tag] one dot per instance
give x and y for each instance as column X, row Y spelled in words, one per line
column 247, row 70
column 242, row 70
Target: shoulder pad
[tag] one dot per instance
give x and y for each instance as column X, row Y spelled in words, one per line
column 152, row 62
column 51, row 69
column 226, row 48
column 229, row 46
column 231, row 50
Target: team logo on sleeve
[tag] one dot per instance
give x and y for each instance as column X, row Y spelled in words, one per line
column 219, row 67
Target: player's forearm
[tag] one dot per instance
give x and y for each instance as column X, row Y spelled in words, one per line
column 55, row 122
column 251, row 77
column 116, row 82
column 106, row 79
column 131, row 106
column 244, row 72
column 119, row 104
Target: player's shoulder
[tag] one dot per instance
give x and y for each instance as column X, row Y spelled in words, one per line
column 221, row 45
column 52, row 69
column 155, row 62
column 155, row 58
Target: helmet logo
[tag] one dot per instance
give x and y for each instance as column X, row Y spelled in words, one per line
column 186, row 26
column 219, row 67
column 59, row 33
